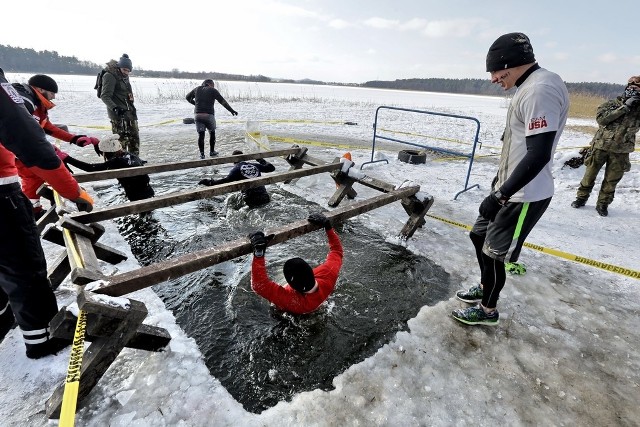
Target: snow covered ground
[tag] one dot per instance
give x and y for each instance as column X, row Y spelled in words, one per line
column 563, row 354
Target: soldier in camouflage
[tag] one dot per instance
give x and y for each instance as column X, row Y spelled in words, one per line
column 118, row 97
column 619, row 122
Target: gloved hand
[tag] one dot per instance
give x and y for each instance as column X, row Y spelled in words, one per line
column 261, row 161
column 234, row 113
column 258, row 243
column 84, row 202
column 119, row 111
column 319, row 219
column 489, row 207
column 630, row 102
column 61, row 154
column 208, row 182
column 84, row 140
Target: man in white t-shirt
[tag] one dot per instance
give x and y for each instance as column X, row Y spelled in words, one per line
column 523, row 186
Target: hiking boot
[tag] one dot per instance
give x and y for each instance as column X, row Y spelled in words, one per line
column 516, row 268
column 602, row 210
column 201, row 156
column 213, row 153
column 472, row 296
column 476, row 316
column 578, row 203
column 47, row 348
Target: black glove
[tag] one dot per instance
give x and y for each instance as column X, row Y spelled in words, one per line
column 489, row 207
column 234, row 113
column 261, row 161
column 630, row 102
column 258, row 243
column 208, row 182
column 319, row 219
column 119, row 111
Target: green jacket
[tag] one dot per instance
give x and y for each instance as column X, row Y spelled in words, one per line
column 117, row 92
column 618, row 126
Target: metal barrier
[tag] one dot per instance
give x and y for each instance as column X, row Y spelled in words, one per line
column 470, row 155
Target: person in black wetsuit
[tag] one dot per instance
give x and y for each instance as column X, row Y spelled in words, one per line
column 135, row 187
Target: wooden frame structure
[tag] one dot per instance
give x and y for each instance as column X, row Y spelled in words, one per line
column 110, row 328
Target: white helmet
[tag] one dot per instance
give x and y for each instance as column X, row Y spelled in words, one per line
column 110, row 145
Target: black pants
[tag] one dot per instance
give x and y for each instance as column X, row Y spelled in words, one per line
column 23, row 268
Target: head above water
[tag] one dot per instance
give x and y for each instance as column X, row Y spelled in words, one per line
column 299, row 275
column 110, row 145
column 509, row 51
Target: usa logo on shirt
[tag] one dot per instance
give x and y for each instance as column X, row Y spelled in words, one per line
column 538, row 123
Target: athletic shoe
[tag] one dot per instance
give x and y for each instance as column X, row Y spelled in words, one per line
column 516, row 268
column 213, row 153
column 472, row 296
column 49, row 347
column 201, row 156
column 476, row 316
column 602, row 210
column 578, row 203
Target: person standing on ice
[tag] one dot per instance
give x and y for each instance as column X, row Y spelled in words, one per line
column 307, row 288
column 523, row 187
column 203, row 97
column 26, row 297
column 38, row 94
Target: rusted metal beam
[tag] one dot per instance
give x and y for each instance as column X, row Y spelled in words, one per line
column 160, row 272
column 175, row 166
column 101, row 214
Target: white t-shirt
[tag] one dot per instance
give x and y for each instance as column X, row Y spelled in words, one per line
column 540, row 105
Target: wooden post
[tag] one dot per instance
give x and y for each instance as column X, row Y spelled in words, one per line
column 144, row 277
column 416, row 209
column 102, row 351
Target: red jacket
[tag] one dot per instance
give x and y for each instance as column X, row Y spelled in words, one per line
column 288, row 299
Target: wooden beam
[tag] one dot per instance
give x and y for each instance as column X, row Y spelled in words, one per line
column 175, row 166
column 160, row 272
column 146, row 205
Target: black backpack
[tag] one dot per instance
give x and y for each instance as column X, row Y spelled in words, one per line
column 98, row 86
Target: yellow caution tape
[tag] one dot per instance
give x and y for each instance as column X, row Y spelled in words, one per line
column 634, row 274
column 72, row 382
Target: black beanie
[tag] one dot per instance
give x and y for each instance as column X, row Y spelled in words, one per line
column 125, row 62
column 508, row 51
column 299, row 274
column 44, row 82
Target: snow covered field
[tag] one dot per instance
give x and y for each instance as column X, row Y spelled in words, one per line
column 565, row 352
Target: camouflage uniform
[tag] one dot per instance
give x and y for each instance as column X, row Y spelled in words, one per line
column 610, row 146
column 117, row 92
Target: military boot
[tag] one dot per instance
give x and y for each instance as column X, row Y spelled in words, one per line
column 602, row 209
column 578, row 203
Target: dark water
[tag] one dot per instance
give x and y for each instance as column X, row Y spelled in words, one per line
column 261, row 355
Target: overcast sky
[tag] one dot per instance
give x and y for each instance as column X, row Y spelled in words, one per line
column 332, row 40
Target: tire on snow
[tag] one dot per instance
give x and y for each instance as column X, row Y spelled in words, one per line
column 188, row 120
column 412, row 156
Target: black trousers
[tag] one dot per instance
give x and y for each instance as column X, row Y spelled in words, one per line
column 23, row 268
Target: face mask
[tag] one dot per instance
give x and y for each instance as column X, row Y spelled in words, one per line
column 630, row 92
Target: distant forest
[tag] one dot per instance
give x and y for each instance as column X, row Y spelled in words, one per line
column 21, row 60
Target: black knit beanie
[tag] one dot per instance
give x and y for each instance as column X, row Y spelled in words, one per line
column 299, row 274
column 125, row 62
column 508, row 51
column 44, row 82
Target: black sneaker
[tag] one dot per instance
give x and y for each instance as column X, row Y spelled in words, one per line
column 578, row 203
column 47, row 348
column 213, row 153
column 472, row 296
column 201, row 156
column 476, row 316
column 602, row 210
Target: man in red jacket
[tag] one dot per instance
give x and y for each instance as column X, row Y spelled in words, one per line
column 38, row 95
column 306, row 288
column 25, row 294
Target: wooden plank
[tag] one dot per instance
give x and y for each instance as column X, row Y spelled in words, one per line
column 128, row 208
column 58, row 270
column 147, row 337
column 160, row 272
column 103, row 252
column 99, row 356
column 176, row 166
column 49, row 217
